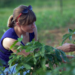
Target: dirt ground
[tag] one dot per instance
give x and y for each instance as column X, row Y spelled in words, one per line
column 54, row 37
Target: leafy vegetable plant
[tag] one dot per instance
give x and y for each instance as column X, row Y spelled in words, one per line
column 42, row 60
column 36, row 61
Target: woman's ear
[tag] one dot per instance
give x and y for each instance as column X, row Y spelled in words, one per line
column 17, row 23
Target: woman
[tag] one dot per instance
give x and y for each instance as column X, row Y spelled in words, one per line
column 22, row 22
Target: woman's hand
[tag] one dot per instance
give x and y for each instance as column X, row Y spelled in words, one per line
column 67, row 47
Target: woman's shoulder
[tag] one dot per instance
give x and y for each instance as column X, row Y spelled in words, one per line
column 7, row 42
column 10, row 33
column 10, row 29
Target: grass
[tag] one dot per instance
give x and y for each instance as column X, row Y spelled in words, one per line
column 48, row 14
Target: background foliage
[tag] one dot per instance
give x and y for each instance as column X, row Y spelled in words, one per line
column 48, row 12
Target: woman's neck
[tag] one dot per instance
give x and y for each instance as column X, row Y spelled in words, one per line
column 19, row 31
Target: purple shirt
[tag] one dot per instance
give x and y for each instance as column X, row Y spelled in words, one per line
column 10, row 33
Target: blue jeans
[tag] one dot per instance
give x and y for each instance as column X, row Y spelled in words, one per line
column 12, row 71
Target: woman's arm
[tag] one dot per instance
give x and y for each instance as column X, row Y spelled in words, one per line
column 7, row 42
column 67, row 47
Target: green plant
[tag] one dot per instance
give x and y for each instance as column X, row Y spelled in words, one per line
column 39, row 56
column 69, row 35
column 2, row 63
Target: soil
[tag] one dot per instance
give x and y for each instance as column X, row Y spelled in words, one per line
column 54, row 37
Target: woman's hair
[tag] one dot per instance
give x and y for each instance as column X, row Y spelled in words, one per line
column 24, row 19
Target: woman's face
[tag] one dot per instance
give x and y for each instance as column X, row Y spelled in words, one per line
column 28, row 28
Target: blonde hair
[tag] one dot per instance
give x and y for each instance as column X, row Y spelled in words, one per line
column 24, row 19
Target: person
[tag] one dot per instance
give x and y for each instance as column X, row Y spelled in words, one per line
column 22, row 22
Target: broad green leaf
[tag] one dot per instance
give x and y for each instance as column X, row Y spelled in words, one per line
column 40, row 71
column 2, row 62
column 29, row 44
column 38, row 44
column 19, row 47
column 70, row 37
column 65, row 37
column 73, row 30
column 70, row 30
column 22, row 36
column 73, row 71
column 51, row 65
column 18, row 51
column 27, row 73
column 34, row 73
column 63, row 55
column 35, row 60
column 13, row 44
column 18, row 67
column 2, row 72
column 49, row 49
column 43, row 63
column 48, row 73
column 50, row 57
column 28, row 58
column 12, row 60
column 18, row 56
column 21, row 73
column 27, row 66
column 37, row 54
column 42, row 51
column 28, row 49
column 57, row 53
column 74, row 42
column 20, row 39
